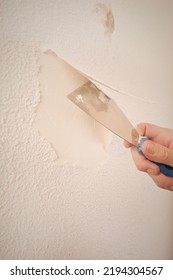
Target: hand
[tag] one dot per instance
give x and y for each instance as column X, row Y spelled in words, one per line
column 159, row 149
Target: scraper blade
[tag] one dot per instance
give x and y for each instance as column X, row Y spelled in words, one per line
column 104, row 110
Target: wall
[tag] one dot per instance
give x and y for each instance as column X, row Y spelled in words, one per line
column 111, row 210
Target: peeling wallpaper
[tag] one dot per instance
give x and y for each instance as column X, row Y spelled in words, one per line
column 77, row 139
column 51, row 211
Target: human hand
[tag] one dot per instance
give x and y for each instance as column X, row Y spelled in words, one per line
column 159, row 149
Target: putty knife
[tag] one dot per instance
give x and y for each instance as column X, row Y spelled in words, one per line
column 104, row 110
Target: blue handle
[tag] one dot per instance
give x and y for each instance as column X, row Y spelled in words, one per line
column 165, row 169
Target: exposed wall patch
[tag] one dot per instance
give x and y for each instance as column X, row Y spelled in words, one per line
column 76, row 138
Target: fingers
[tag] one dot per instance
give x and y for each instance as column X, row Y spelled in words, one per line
column 163, row 182
column 163, row 136
column 158, row 153
column 127, row 144
column 158, row 149
column 149, row 130
column 143, row 164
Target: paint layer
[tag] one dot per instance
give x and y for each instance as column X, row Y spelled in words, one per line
column 76, row 137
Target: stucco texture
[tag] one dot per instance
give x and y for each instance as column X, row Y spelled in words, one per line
column 53, row 211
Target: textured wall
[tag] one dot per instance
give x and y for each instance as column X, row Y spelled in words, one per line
column 64, row 212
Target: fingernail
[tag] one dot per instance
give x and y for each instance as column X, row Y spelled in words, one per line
column 151, row 148
column 152, row 172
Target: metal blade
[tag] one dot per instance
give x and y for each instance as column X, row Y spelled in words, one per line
column 104, row 110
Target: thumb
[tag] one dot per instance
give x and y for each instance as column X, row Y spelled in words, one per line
column 158, row 153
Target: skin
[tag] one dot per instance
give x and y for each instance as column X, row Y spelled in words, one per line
column 159, row 149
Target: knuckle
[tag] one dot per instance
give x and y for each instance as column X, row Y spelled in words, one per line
column 171, row 159
column 140, row 168
column 147, row 145
column 165, row 154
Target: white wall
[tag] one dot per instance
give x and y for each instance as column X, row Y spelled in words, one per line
column 108, row 211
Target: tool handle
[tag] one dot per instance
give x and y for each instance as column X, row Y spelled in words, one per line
column 165, row 169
